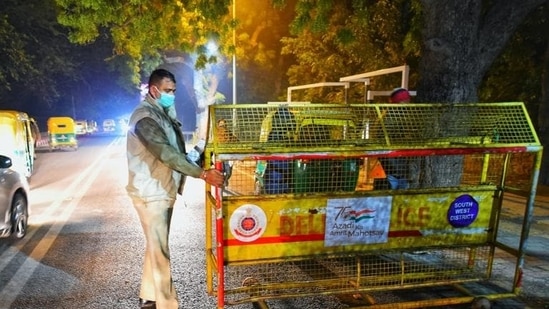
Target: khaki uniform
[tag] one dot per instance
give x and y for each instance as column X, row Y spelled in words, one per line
column 157, row 168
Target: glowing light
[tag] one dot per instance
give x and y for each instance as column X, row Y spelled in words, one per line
column 212, row 48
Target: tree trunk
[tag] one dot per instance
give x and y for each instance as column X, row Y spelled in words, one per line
column 461, row 39
column 543, row 115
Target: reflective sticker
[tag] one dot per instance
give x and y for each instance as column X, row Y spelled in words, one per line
column 248, row 222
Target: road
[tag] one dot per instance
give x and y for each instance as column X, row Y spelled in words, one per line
column 84, row 248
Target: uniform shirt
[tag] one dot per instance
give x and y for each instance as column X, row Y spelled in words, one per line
column 157, row 162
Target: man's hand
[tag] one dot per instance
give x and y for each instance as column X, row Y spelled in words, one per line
column 213, row 177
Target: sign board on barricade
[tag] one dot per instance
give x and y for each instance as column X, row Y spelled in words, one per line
column 260, row 229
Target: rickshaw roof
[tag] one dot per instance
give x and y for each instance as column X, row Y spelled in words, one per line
column 13, row 114
column 60, row 119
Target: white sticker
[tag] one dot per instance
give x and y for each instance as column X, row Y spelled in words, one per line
column 248, row 222
column 355, row 221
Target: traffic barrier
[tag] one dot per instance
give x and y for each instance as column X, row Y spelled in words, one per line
column 344, row 199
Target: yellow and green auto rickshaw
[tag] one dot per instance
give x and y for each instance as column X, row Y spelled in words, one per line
column 62, row 133
column 17, row 140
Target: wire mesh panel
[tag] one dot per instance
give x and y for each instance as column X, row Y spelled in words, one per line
column 324, row 198
column 354, row 273
column 286, row 128
column 357, row 174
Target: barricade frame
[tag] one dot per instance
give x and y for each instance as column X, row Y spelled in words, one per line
column 506, row 131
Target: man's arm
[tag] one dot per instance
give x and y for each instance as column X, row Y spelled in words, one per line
column 156, row 141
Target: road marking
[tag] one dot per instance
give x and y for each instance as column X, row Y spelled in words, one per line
column 11, row 290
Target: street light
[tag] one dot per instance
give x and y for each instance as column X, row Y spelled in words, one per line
column 234, row 65
column 234, row 53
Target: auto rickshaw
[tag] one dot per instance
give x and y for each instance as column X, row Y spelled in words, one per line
column 17, row 140
column 62, row 133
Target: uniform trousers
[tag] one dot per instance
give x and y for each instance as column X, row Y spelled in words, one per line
column 156, row 282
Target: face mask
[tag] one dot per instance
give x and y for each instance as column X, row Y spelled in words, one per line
column 166, row 99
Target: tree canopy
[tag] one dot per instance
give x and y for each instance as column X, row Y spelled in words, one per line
column 458, row 42
column 145, row 30
column 34, row 49
column 354, row 38
column 44, row 74
column 451, row 45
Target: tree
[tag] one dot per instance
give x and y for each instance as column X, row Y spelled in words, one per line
column 17, row 63
column 460, row 40
column 34, row 51
column 147, row 29
column 140, row 34
column 44, row 74
column 261, row 69
column 543, row 112
column 356, row 37
column 145, row 32
column 143, row 40
column 520, row 74
column 451, row 44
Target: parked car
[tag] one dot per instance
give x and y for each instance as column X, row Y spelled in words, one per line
column 109, row 125
column 92, row 127
column 14, row 203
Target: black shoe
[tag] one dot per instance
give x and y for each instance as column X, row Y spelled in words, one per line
column 147, row 304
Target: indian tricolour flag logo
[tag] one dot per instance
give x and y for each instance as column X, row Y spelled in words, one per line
column 360, row 215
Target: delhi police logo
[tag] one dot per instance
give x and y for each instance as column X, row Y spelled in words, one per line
column 248, row 222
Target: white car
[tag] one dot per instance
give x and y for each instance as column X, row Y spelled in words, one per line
column 109, row 125
column 81, row 127
column 14, row 202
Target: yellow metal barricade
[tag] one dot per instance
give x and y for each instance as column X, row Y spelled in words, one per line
column 306, row 210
